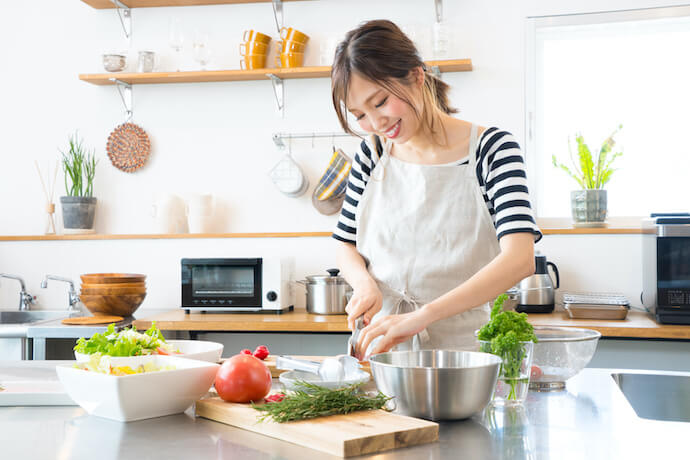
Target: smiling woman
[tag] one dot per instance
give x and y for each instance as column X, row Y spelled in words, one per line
column 429, row 198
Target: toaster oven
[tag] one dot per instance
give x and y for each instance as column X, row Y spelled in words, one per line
column 666, row 267
column 237, row 285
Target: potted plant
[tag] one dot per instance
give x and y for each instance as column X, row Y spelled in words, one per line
column 79, row 204
column 589, row 205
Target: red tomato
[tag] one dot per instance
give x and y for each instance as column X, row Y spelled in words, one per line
column 536, row 373
column 243, row 378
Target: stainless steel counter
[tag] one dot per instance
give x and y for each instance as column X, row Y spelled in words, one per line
column 590, row 420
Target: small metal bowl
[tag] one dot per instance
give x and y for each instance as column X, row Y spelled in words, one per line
column 561, row 353
column 114, row 62
column 437, row 384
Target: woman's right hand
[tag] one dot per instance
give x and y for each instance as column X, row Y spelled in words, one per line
column 366, row 300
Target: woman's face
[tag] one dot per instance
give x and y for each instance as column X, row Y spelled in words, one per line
column 381, row 112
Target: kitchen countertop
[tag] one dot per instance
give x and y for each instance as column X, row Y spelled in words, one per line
column 639, row 325
column 590, row 419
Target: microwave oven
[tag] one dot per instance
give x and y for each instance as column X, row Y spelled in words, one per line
column 666, row 267
column 237, row 285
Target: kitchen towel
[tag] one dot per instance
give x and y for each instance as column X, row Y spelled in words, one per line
column 334, row 180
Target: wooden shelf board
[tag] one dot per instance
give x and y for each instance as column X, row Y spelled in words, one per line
column 107, row 4
column 456, row 65
column 151, row 236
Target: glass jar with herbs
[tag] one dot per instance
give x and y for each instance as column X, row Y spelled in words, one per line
column 509, row 336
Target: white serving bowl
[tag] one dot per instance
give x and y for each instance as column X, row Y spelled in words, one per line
column 139, row 396
column 290, row 378
column 191, row 349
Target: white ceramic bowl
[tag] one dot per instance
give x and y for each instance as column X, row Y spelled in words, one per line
column 191, row 349
column 290, row 378
column 139, row 396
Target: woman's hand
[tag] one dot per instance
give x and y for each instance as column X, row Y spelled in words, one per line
column 395, row 329
column 366, row 300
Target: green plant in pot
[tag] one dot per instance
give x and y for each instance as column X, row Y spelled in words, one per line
column 589, row 205
column 79, row 204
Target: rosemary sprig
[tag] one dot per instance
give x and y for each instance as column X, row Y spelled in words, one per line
column 316, row 401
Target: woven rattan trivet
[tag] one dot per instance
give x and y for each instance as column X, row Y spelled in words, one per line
column 81, row 320
column 128, row 147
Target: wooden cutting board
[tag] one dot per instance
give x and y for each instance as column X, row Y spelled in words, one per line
column 348, row 435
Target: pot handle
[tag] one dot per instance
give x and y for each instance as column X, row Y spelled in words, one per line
column 555, row 270
column 302, row 282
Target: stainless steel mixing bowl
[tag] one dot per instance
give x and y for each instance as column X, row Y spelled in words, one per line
column 560, row 353
column 437, row 384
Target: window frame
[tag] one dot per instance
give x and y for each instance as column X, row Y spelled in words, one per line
column 532, row 24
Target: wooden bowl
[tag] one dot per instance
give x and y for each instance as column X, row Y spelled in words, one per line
column 113, row 290
column 113, row 285
column 120, row 305
column 110, row 278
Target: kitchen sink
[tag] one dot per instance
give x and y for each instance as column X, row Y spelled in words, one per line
column 30, row 316
column 657, row 396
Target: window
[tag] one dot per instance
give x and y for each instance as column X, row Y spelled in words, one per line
column 588, row 73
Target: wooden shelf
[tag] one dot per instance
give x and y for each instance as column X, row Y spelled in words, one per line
column 456, row 65
column 152, row 236
column 107, row 4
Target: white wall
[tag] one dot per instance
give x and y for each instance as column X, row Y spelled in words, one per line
column 217, row 136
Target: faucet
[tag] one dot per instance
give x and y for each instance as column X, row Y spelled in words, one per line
column 25, row 299
column 73, row 297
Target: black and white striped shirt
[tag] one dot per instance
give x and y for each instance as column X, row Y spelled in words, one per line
column 500, row 173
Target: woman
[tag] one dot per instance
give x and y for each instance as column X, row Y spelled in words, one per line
column 437, row 221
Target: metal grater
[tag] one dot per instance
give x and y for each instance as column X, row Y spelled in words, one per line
column 597, row 298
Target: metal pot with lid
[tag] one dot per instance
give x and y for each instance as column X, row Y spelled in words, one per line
column 327, row 294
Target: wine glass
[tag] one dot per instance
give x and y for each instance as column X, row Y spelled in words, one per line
column 176, row 38
column 202, row 51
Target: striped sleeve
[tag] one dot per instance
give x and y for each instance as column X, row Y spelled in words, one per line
column 502, row 176
column 346, row 229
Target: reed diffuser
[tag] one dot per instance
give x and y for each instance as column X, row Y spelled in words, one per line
column 50, row 228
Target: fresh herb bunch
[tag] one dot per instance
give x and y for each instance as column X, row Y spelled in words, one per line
column 590, row 172
column 80, row 168
column 316, row 401
column 503, row 336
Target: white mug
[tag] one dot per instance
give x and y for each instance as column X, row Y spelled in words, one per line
column 199, row 223
column 168, row 212
column 201, row 204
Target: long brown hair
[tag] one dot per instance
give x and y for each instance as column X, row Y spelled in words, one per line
column 381, row 53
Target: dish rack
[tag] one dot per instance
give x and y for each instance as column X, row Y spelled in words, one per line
column 596, row 305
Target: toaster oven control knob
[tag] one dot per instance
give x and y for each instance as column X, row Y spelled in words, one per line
column 271, row 296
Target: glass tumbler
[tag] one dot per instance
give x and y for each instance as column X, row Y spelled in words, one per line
column 147, row 61
column 513, row 377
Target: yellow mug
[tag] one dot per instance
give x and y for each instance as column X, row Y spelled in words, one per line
column 247, row 48
column 287, row 60
column 253, row 36
column 289, row 46
column 288, row 33
column 253, row 61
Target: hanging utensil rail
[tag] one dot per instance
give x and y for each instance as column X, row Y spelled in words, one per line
column 279, row 138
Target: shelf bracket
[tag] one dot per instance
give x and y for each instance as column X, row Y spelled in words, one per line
column 278, row 91
column 125, row 15
column 436, row 71
column 278, row 13
column 125, row 91
column 439, row 10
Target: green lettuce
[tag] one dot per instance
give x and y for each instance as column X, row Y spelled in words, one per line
column 127, row 342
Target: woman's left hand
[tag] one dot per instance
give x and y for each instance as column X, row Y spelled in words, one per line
column 395, row 329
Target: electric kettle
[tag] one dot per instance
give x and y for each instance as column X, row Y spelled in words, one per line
column 536, row 293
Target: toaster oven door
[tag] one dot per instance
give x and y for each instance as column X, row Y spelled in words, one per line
column 221, row 284
column 673, row 272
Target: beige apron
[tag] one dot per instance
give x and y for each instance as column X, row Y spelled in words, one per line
column 424, row 230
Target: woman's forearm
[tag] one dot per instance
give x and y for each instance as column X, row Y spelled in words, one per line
column 351, row 264
column 515, row 262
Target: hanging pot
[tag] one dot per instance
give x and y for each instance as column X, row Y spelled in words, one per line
column 327, row 294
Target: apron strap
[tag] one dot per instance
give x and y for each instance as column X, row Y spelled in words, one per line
column 402, row 298
column 473, row 145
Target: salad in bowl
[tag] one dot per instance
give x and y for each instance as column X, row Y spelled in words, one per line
column 129, row 342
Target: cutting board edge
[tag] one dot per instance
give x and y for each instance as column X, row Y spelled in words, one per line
column 208, row 408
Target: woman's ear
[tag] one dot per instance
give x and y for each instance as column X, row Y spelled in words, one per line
column 419, row 76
